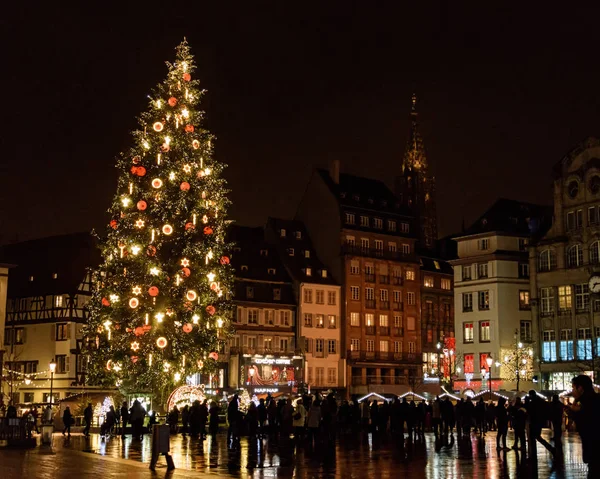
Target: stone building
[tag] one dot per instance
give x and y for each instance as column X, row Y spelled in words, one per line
column 562, row 262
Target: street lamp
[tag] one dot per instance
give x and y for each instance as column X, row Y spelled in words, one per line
column 489, row 362
column 52, row 366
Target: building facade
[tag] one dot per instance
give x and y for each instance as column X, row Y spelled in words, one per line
column 263, row 356
column 492, row 297
column 319, row 305
column 49, row 289
column 562, row 261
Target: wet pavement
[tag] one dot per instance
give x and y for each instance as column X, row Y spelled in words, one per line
column 354, row 456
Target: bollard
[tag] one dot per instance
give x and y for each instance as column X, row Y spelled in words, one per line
column 161, row 438
column 47, row 430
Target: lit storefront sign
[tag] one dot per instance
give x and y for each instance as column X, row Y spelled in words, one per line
column 272, row 361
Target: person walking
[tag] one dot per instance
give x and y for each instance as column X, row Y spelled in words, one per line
column 314, row 422
column 88, row 414
column 480, row 416
column 232, row 420
column 137, row 414
column 299, row 419
column 252, row 420
column 502, row 423
column 185, row 420
column 203, row 411
column 365, row 415
column 436, row 417
column 556, row 418
column 586, row 413
column 448, row 417
column 111, row 419
column 519, row 420
column 67, row 421
column 262, row 417
column 468, row 413
column 213, row 426
column 124, row 417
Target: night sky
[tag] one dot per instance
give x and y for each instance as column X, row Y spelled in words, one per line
column 504, row 94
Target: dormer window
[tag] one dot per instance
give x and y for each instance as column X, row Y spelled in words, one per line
column 244, row 267
column 282, row 233
column 308, row 271
column 291, row 251
column 436, row 264
column 364, row 221
column 277, row 294
column 324, row 273
column 55, row 276
column 298, row 234
column 31, row 278
column 307, row 253
column 249, row 292
column 271, row 271
column 264, row 252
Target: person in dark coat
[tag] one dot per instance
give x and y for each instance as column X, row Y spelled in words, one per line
column 88, row 415
column 203, row 411
column 67, row 421
column 556, row 417
column 448, row 416
column 195, row 419
column 519, row 421
column 261, row 411
column 374, row 416
column 232, row 419
column 467, row 413
column 252, row 420
column 502, row 423
column 185, row 419
column 586, row 413
column 213, row 425
column 396, row 417
column 480, row 416
column 124, row 417
column 111, row 420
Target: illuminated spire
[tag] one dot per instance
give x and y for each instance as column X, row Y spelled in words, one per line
column 414, row 157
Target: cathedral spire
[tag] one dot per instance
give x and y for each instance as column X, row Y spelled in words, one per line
column 414, row 157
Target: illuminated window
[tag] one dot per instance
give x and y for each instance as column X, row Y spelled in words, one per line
column 58, row 301
column 354, row 319
column 469, row 366
column 428, row 281
column 484, row 331
column 446, row 284
column 355, row 293
column 524, row 300
column 468, row 332
column 410, row 274
column 410, row 297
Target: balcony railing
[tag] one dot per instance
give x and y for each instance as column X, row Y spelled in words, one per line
column 370, row 330
column 377, row 253
column 398, row 331
column 397, row 280
column 384, row 355
column 384, row 305
column 383, row 379
column 398, row 306
column 384, row 330
column 369, row 278
column 384, row 279
column 370, row 303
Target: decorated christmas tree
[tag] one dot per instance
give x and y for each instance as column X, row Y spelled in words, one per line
column 161, row 305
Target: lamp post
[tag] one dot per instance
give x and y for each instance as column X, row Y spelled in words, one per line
column 52, row 366
column 489, row 362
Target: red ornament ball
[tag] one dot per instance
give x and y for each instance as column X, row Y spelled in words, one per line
column 186, row 272
column 214, row 355
column 187, row 76
column 189, row 128
column 195, row 144
column 153, row 291
column 187, row 328
column 141, row 171
column 158, row 126
column 142, row 205
column 164, row 148
column 185, row 186
column 208, row 230
column 224, row 260
column 113, row 224
column 151, row 250
column 210, row 309
column 189, row 226
column 139, row 331
column 134, row 359
column 214, row 286
column 105, row 302
column 146, row 327
column 172, row 101
column 137, row 160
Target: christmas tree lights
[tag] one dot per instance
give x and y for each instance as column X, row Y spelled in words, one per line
column 161, row 307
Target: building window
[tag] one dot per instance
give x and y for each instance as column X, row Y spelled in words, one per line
column 410, row 274
column 355, row 293
column 523, row 270
column 584, row 343
column 595, row 252
column 523, row 243
column 370, row 345
column 332, row 346
column 369, row 269
column 249, row 292
column 592, row 216
column 482, row 270
column 282, row 233
column 14, row 336
column 484, row 331
column 370, row 294
column 467, row 300
column 308, row 295
column 378, row 245
column 404, row 227
column 405, row 248
column 308, row 320
column 393, row 247
column 384, row 320
column 428, row 281
column 397, row 296
column 397, row 321
column 566, row 345
column 354, row 319
column 355, row 345
column 332, row 375
column 269, row 317
column 298, row 234
column 253, row 316
column 383, row 295
column 62, row 331
column 469, row 363
column 350, row 240
column 484, row 300
column 62, row 364
column 524, row 300
column 525, row 331
column 283, row 344
column 446, row 284
column 410, row 297
column 410, row 323
column 354, row 267
column 582, row 297
column 350, row 218
column 546, row 260
column 364, row 244
column 369, row 319
column 291, row 251
column 319, row 320
column 391, row 225
column 320, row 296
column 468, row 332
column 574, row 256
column 398, row 347
column 331, row 298
column 319, row 345
column 276, row 294
column 58, row 302
column 307, row 253
column 483, row 361
column 332, row 321
column 484, row 244
column 377, row 223
column 384, row 346
column 308, row 271
column 466, row 272
column 412, row 347
column 364, row 221
column 549, row 346
column 547, row 300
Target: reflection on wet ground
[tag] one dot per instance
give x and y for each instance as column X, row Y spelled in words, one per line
column 354, row 455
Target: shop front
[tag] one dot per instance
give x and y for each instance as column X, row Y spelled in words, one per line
column 272, row 374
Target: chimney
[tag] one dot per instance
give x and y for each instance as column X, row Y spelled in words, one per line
column 334, row 171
